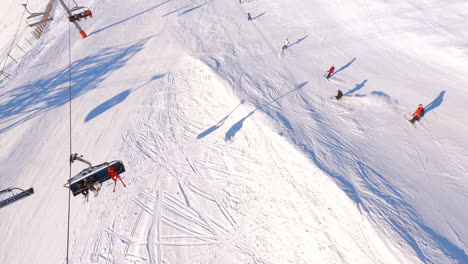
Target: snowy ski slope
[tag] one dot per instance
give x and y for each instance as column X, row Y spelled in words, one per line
column 234, row 151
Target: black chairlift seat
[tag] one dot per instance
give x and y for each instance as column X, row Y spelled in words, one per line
column 78, row 16
column 94, row 174
column 15, row 197
column 79, row 12
column 35, row 19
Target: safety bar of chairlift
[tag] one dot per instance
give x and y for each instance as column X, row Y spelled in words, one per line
column 32, row 15
column 10, row 189
column 77, row 7
column 40, row 22
column 15, row 197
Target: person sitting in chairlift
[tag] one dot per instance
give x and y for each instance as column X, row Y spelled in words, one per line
column 79, row 16
column 83, row 189
column 92, row 185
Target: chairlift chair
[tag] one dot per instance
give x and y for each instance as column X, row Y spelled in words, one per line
column 4, row 201
column 79, row 12
column 92, row 174
column 35, row 19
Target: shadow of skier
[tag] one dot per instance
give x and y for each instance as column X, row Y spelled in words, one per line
column 435, row 103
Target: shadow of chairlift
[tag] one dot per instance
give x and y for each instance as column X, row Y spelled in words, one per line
column 14, row 197
column 92, row 174
column 35, row 19
column 79, row 12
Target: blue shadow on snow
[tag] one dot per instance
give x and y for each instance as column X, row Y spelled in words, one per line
column 401, row 211
column 27, row 101
column 157, row 76
column 237, row 126
column 298, row 41
column 356, row 88
column 107, row 105
column 253, row 18
column 398, row 214
column 344, row 67
column 117, row 99
column 435, row 103
column 192, row 9
column 128, row 18
column 177, row 10
column 219, row 124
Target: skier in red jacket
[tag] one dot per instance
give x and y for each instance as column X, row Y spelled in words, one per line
column 114, row 176
column 417, row 114
column 331, row 71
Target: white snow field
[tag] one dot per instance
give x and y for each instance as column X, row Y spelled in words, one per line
column 234, row 150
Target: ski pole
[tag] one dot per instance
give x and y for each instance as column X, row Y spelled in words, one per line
column 125, row 186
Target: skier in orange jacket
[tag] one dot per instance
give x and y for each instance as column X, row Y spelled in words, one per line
column 114, row 176
column 417, row 114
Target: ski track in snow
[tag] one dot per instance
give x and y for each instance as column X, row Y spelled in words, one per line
column 233, row 152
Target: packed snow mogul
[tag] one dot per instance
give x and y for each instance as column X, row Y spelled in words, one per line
column 339, row 95
column 330, row 71
column 417, row 114
column 285, row 44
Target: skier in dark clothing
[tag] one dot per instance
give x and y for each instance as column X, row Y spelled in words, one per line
column 286, row 44
column 249, row 17
column 417, row 114
column 93, row 185
column 83, row 190
column 330, row 71
column 339, row 95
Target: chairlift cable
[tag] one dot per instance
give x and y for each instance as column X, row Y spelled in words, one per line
column 70, row 132
column 14, row 38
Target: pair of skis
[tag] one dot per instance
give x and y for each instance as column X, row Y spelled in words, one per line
column 413, row 123
column 342, row 98
column 96, row 187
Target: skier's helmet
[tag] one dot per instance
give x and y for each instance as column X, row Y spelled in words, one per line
column 420, row 105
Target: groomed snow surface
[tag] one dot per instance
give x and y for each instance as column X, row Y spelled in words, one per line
column 234, row 150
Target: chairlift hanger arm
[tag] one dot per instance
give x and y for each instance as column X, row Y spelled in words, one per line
column 15, row 197
column 6, row 190
column 10, row 190
column 75, row 156
column 32, row 15
column 26, row 8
